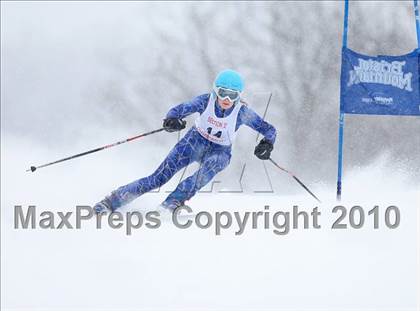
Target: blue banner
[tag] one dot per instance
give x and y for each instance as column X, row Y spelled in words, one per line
column 381, row 85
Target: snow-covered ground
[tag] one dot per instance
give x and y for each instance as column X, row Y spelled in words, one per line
column 173, row 269
column 69, row 86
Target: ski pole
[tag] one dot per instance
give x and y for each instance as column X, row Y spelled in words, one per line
column 33, row 168
column 297, row 179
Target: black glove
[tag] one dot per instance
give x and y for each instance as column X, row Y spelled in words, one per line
column 174, row 124
column 263, row 149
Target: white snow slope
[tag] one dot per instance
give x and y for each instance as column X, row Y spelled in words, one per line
column 173, row 269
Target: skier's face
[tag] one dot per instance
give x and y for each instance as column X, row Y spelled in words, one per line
column 225, row 103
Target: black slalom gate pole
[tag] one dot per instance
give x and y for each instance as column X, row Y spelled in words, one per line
column 33, row 168
column 297, row 179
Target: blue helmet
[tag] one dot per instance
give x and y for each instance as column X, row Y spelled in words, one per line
column 229, row 79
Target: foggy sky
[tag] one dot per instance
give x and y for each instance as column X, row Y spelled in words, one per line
column 73, row 71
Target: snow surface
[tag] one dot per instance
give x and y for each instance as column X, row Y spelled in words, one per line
column 70, row 86
column 174, row 269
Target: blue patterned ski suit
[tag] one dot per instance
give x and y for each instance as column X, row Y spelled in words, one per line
column 193, row 147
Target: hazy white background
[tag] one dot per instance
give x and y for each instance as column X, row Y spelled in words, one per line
column 79, row 75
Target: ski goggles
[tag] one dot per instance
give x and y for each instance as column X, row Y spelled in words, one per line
column 224, row 93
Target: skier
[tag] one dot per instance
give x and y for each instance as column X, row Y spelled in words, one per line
column 208, row 142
